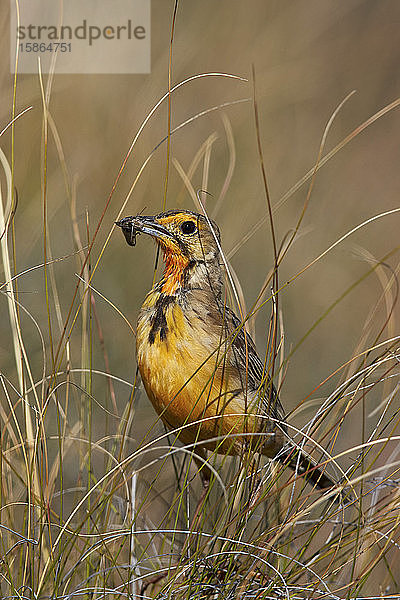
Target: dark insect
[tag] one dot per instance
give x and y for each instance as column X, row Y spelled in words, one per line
column 129, row 230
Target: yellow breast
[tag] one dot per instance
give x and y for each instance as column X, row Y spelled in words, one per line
column 185, row 370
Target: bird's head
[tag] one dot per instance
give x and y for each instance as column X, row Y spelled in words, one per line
column 186, row 238
column 179, row 232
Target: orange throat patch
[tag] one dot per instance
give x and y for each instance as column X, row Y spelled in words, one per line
column 175, row 265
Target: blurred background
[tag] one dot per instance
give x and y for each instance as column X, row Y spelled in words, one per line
column 308, row 56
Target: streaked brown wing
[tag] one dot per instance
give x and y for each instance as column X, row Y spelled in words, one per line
column 251, row 370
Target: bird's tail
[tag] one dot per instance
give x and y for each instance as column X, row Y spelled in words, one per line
column 305, row 467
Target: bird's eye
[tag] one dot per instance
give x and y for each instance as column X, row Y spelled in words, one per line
column 188, row 227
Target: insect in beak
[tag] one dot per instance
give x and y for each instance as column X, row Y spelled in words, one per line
column 128, row 229
column 133, row 226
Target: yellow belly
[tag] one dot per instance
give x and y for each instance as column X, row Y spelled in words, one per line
column 190, row 385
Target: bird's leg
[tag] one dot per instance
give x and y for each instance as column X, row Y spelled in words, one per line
column 200, row 458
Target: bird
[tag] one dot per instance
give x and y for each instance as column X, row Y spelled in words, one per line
column 199, row 366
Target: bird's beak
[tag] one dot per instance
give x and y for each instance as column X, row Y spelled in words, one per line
column 133, row 226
